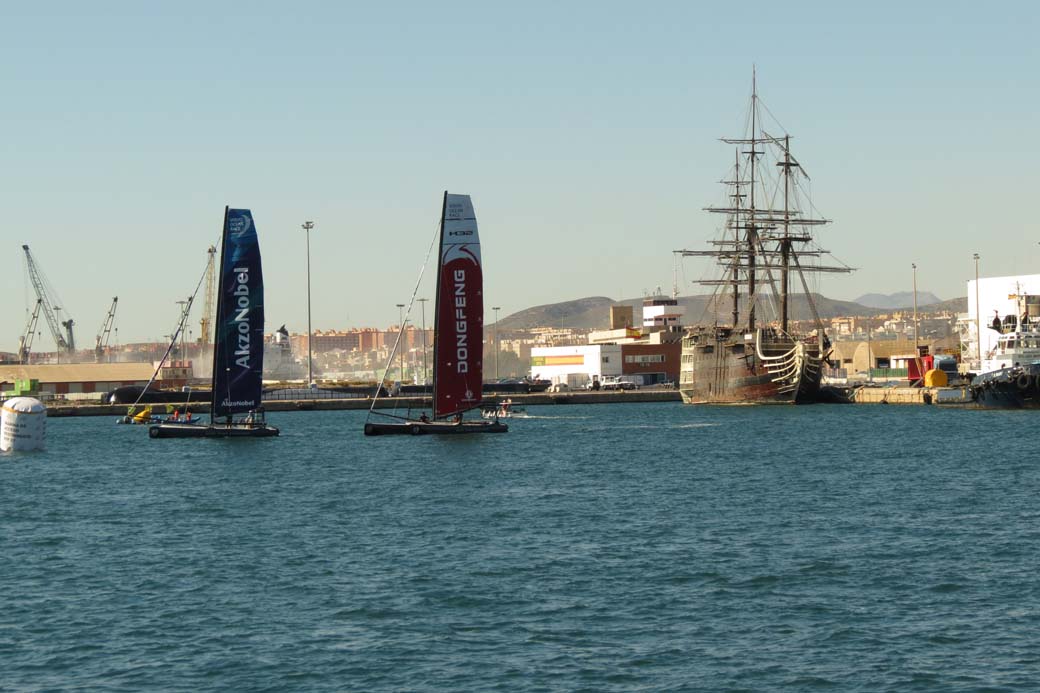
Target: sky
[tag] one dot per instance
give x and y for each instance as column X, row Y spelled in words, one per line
column 587, row 134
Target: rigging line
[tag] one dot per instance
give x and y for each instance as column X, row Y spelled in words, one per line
column 682, row 269
column 407, row 314
column 775, row 119
column 176, row 335
column 775, row 303
column 808, row 296
column 712, row 302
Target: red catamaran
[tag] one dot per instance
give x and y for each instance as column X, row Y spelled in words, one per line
column 458, row 344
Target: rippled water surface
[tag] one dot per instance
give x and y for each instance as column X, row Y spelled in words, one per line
column 602, row 548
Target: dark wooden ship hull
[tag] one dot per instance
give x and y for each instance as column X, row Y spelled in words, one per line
column 721, row 367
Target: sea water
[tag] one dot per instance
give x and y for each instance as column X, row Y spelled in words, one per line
column 653, row 547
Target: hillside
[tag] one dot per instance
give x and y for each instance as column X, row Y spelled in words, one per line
column 594, row 312
column 898, row 300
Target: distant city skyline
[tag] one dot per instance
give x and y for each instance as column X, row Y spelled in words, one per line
column 587, row 134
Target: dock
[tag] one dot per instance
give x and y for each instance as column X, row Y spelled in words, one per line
column 941, row 396
column 947, row 396
column 649, row 395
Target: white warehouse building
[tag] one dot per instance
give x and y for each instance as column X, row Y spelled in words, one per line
column 575, row 366
column 998, row 297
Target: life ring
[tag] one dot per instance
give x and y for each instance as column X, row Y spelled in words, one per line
column 153, row 432
column 1023, row 381
column 416, row 430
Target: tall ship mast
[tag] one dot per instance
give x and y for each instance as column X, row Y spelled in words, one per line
column 765, row 251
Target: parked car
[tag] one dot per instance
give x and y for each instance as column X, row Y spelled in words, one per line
column 559, row 387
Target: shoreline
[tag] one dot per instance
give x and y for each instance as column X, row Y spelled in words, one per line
column 355, row 403
column 946, row 397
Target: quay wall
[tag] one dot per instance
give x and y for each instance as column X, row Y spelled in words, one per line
column 949, row 396
column 600, row 397
column 944, row 396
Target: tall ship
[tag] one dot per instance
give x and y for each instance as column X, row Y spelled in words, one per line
column 765, row 250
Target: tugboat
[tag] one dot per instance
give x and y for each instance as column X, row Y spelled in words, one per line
column 1011, row 370
column 760, row 252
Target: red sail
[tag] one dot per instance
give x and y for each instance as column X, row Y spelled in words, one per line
column 459, row 327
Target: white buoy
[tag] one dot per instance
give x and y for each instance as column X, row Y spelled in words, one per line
column 22, row 424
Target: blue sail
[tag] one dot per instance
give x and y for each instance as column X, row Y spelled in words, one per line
column 238, row 350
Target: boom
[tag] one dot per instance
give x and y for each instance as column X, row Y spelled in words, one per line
column 26, row 340
column 103, row 335
column 207, row 308
column 64, row 342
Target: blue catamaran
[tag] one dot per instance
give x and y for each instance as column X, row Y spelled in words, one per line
column 238, row 349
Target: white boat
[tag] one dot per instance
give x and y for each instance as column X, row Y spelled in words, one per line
column 503, row 410
column 1019, row 340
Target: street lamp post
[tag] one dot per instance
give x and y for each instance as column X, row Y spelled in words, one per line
column 307, row 226
column 917, row 349
column 914, row 266
column 425, row 379
column 400, row 322
column 978, row 313
column 496, row 309
column 870, row 352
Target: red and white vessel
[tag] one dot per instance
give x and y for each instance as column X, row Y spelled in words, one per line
column 458, row 345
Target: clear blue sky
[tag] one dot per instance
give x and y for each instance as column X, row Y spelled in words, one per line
column 587, row 134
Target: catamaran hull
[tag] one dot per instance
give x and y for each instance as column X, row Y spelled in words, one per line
column 173, row 430
column 419, row 428
column 738, row 372
column 151, row 420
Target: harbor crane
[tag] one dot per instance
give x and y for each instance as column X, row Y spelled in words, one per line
column 103, row 335
column 65, row 342
column 207, row 308
column 26, row 340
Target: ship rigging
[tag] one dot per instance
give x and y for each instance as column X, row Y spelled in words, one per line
column 766, row 235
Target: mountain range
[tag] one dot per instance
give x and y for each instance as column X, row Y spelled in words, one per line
column 594, row 312
column 900, row 299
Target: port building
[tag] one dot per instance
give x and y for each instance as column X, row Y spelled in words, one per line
column 989, row 298
column 62, row 379
column 648, row 354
